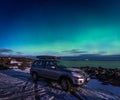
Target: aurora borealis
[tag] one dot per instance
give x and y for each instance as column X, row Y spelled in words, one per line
column 60, row 27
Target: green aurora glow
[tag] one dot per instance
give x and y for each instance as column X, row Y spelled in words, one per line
column 54, row 27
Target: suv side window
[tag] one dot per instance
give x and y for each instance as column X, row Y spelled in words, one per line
column 42, row 63
column 39, row 63
column 49, row 64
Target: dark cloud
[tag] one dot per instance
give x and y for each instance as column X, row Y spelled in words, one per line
column 5, row 51
column 75, row 51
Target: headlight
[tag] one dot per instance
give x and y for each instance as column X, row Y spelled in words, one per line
column 79, row 80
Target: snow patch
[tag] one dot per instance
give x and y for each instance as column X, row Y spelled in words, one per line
column 17, row 84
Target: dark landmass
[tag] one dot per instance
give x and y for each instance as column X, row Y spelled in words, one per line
column 92, row 57
column 20, row 62
column 2, row 67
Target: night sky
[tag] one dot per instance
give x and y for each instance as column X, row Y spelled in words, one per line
column 59, row 27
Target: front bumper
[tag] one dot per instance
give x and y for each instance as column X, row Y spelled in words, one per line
column 80, row 81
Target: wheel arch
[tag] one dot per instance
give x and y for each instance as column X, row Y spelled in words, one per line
column 65, row 77
column 34, row 72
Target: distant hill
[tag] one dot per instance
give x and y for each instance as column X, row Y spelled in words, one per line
column 87, row 57
column 92, row 57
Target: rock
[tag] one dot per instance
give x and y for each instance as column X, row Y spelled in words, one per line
column 105, row 75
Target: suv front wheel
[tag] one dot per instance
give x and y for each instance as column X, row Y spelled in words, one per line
column 66, row 84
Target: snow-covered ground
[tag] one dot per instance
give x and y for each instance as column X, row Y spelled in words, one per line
column 16, row 84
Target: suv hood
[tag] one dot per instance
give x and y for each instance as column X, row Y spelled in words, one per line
column 78, row 71
column 75, row 70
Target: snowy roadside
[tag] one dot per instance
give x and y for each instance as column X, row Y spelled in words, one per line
column 16, row 84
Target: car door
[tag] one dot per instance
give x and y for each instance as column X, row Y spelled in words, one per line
column 35, row 67
column 42, row 68
column 51, row 70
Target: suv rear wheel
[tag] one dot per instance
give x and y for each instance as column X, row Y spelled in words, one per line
column 66, row 84
column 34, row 76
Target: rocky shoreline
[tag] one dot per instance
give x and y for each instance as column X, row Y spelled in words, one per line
column 105, row 75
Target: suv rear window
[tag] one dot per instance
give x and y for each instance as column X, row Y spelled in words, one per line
column 35, row 63
column 39, row 63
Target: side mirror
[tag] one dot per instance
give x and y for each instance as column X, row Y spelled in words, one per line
column 53, row 67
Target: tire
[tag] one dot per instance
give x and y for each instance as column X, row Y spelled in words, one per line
column 66, row 84
column 34, row 76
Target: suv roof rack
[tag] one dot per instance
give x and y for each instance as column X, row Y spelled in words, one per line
column 48, row 57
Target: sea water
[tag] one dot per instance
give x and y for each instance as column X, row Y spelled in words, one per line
column 82, row 63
